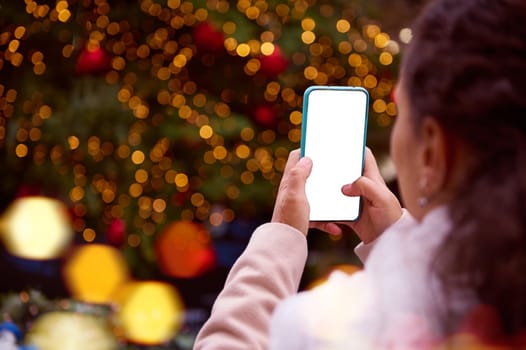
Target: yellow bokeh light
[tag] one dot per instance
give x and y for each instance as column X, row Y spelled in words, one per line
column 135, row 190
column 206, row 132
column 94, row 272
column 185, row 112
column 386, row 58
column 379, row 106
column 372, row 30
column 243, row 50
column 362, row 70
column 294, row 135
column 35, row 134
column 61, row 330
column 247, row 134
column 178, row 101
column 247, row 177
column 19, row 32
column 308, row 24
column 310, row 73
column 354, row 60
column 13, row 45
column 343, row 26
column 102, row 21
column 252, row 12
column 163, row 73
column 36, row 228
column 391, row 109
column 267, row 48
column 174, row 4
column 230, row 44
column 243, row 151
column 61, row 5
column 159, row 205
column 89, row 235
column 220, row 152
column 197, row 199
column 138, row 157
column 370, row 81
column 354, row 81
column 141, row 176
column 45, row 112
column 381, row 40
column 149, row 312
column 64, row 15
column 179, row 61
column 21, row 150
column 76, row 193
column 229, row 27
column 308, row 37
column 295, row 117
column 181, row 180
column 39, row 68
column 36, row 57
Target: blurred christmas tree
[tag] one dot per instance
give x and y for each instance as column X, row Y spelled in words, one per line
column 143, row 116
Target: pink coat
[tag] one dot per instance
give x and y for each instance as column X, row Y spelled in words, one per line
column 391, row 303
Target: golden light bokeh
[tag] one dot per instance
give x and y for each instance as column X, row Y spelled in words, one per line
column 36, row 228
column 94, row 272
column 148, row 312
column 165, row 133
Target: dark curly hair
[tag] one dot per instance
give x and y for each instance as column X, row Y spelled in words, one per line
column 466, row 67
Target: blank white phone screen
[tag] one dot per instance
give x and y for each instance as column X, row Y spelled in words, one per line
column 334, row 138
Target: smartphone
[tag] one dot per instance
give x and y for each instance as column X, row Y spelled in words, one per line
column 334, row 128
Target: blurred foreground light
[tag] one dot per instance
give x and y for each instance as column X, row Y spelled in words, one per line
column 94, row 272
column 344, row 268
column 62, row 330
column 36, row 228
column 148, row 312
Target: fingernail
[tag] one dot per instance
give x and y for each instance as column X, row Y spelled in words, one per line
column 304, row 161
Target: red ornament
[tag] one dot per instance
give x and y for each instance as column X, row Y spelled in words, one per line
column 116, row 232
column 208, row 38
column 92, row 62
column 273, row 64
column 265, row 115
column 184, row 249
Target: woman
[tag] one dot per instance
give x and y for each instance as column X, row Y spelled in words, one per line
column 454, row 260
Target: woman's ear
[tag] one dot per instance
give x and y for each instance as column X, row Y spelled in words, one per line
column 433, row 157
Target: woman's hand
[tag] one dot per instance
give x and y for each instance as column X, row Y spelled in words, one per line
column 292, row 207
column 380, row 207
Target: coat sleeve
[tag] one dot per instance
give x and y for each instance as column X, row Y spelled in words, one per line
column 269, row 270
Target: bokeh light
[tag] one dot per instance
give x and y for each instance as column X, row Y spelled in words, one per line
column 64, row 330
column 184, row 248
column 148, row 312
column 93, row 273
column 36, row 228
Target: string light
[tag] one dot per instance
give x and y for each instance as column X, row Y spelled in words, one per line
column 186, row 117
